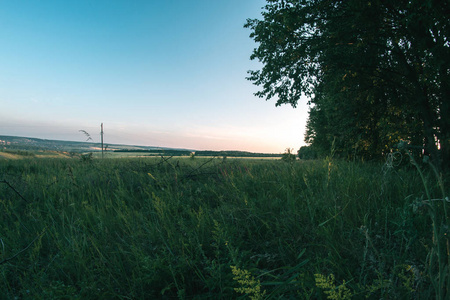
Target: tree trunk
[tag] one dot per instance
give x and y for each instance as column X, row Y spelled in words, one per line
column 430, row 145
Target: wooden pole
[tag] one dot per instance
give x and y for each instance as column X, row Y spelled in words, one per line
column 101, row 133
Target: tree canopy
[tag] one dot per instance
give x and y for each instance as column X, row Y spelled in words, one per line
column 375, row 72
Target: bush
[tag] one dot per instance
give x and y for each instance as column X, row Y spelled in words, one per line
column 307, row 152
column 288, row 155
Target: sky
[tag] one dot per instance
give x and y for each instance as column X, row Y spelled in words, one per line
column 156, row 73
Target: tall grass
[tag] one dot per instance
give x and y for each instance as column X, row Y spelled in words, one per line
column 154, row 228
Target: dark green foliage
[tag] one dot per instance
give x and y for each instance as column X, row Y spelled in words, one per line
column 19, row 152
column 87, row 158
column 288, row 155
column 376, row 72
column 307, row 152
column 172, row 228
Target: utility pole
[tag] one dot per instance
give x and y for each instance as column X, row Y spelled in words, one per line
column 101, row 134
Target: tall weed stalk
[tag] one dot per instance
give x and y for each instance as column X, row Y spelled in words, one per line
column 438, row 259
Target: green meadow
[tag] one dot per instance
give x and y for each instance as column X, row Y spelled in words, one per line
column 203, row 228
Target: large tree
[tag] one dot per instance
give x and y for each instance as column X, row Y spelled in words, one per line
column 376, row 72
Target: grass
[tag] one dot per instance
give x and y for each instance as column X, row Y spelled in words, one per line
column 147, row 228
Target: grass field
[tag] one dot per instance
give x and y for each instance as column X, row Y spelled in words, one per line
column 171, row 228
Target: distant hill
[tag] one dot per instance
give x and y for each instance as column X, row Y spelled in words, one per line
column 35, row 144
column 26, row 143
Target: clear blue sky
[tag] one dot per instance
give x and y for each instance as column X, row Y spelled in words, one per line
column 158, row 73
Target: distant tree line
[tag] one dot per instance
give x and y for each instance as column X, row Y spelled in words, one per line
column 376, row 72
column 156, row 152
column 235, row 154
column 199, row 153
column 18, row 152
